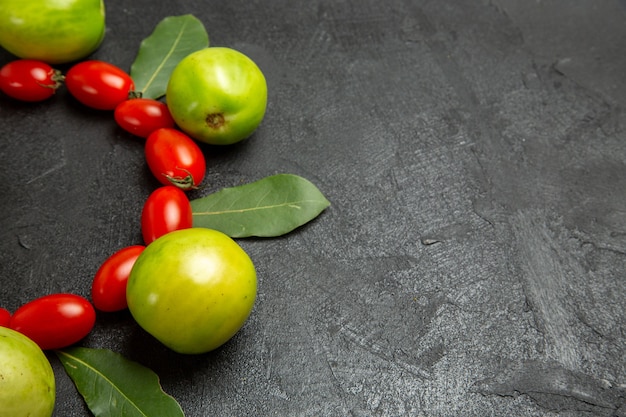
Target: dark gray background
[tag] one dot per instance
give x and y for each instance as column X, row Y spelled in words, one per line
column 472, row 261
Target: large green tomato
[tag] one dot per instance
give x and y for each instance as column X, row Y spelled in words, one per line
column 27, row 387
column 53, row 31
column 217, row 95
column 192, row 289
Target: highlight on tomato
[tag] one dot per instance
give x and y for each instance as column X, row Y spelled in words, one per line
column 108, row 290
column 98, row 84
column 217, row 95
column 53, row 31
column 29, row 80
column 166, row 209
column 55, row 321
column 192, row 289
column 175, row 159
column 142, row 116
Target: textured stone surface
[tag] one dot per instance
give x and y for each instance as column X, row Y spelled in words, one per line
column 472, row 261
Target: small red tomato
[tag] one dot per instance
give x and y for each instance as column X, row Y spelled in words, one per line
column 5, row 317
column 175, row 159
column 142, row 116
column 29, row 80
column 55, row 321
column 166, row 209
column 108, row 291
column 98, row 84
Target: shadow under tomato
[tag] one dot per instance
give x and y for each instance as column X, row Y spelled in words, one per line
column 145, row 349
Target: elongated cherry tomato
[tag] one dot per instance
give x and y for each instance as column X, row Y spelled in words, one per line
column 142, row 116
column 98, row 84
column 166, row 209
column 29, row 80
column 108, row 290
column 55, row 321
column 5, row 317
column 174, row 158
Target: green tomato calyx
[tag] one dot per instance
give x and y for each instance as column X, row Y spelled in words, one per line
column 184, row 183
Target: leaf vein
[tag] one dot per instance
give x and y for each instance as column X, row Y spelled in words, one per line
column 95, row 371
column 166, row 58
column 291, row 204
column 258, row 204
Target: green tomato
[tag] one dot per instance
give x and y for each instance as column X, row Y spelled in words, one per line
column 53, row 31
column 27, row 387
column 217, row 95
column 192, row 289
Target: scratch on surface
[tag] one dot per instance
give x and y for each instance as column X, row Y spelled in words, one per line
column 22, row 242
column 555, row 388
column 545, row 285
column 49, row 171
column 453, row 231
column 381, row 352
column 426, row 241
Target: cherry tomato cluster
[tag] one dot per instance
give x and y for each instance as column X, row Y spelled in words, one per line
column 177, row 162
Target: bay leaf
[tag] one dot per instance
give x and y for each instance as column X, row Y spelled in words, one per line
column 114, row 386
column 173, row 38
column 272, row 206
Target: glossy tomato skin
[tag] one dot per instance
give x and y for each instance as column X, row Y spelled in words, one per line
column 98, row 84
column 108, row 290
column 217, row 95
column 142, row 116
column 192, row 289
column 5, row 317
column 166, row 209
column 52, row 31
column 29, row 80
column 27, row 378
column 174, row 158
column 55, row 321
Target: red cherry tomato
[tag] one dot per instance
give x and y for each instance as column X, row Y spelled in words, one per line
column 98, row 84
column 29, row 80
column 5, row 317
column 55, row 321
column 142, row 116
column 175, row 159
column 166, row 209
column 108, row 291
